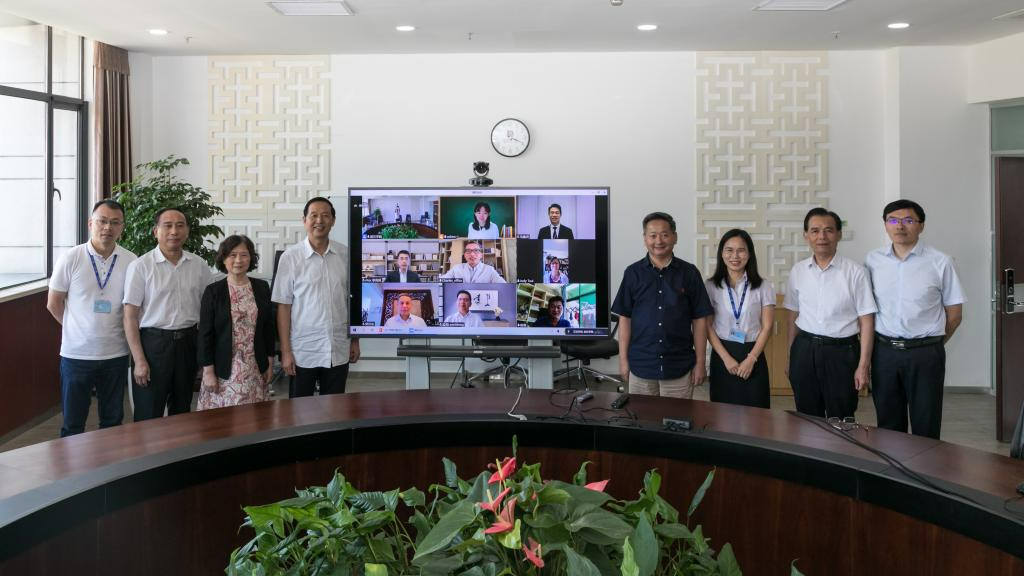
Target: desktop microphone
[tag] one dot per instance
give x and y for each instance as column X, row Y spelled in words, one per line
column 511, row 411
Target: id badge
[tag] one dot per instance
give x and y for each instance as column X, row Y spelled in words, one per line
column 737, row 335
column 102, row 307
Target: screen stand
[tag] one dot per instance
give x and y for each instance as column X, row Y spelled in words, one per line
column 540, row 369
column 417, row 370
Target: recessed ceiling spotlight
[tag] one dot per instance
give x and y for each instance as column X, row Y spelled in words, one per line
column 158, row 32
column 898, row 25
column 405, row 28
column 647, row 27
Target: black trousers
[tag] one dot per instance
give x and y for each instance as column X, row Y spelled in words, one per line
column 911, row 381
column 173, row 366
column 754, row 391
column 821, row 374
column 332, row 380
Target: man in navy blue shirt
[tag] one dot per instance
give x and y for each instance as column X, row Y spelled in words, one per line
column 663, row 308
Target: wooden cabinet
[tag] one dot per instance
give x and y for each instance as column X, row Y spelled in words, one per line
column 777, row 351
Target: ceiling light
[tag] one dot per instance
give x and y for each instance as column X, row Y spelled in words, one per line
column 311, row 7
column 899, row 25
column 647, row 27
column 158, row 32
column 798, row 5
column 405, row 28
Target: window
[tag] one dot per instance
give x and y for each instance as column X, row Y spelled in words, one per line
column 43, row 184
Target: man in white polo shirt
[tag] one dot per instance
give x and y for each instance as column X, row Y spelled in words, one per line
column 473, row 270
column 162, row 295
column 831, row 327
column 85, row 295
column 311, row 291
column 405, row 318
column 920, row 305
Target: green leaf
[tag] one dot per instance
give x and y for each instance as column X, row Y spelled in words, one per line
column 645, row 546
column 579, row 565
column 652, row 482
column 441, row 566
column 336, row 487
column 451, row 474
column 595, row 537
column 421, row 524
column 581, row 496
column 447, row 527
column 629, row 566
column 604, row 522
column 413, row 497
column 551, row 494
column 269, row 517
column 542, row 520
column 699, row 495
column 511, row 539
column 375, row 570
column 580, row 477
column 674, row 531
column 793, row 569
column 515, row 445
column 727, row 564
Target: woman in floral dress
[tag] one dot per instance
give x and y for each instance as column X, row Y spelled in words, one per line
column 236, row 331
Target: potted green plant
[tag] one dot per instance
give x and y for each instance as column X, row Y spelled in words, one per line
column 507, row 520
column 156, row 187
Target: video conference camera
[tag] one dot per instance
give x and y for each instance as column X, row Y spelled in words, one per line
column 480, row 169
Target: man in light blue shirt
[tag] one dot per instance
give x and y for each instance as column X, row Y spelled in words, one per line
column 920, row 306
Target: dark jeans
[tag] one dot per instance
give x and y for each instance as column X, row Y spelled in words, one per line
column 332, row 380
column 911, row 380
column 173, row 366
column 724, row 387
column 77, row 380
column 822, row 376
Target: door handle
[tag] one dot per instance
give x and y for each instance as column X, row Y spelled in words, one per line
column 59, row 196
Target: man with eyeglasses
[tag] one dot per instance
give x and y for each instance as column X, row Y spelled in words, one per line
column 920, row 306
column 162, row 296
column 85, row 295
column 473, row 270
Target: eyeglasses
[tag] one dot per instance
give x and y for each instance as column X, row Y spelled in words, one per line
column 473, row 250
column 844, row 424
column 105, row 221
column 908, row 221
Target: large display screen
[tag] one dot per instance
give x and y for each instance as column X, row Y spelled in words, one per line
column 479, row 262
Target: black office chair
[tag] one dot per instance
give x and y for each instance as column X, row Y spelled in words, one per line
column 1017, row 441
column 583, row 351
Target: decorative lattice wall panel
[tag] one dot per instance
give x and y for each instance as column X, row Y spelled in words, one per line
column 270, row 134
column 762, row 152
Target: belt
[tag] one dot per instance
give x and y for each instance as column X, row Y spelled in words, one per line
column 173, row 334
column 908, row 343
column 826, row 340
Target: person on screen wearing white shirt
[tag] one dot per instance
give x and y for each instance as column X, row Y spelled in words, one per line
column 462, row 315
column 481, row 227
column 405, row 318
column 830, row 300
column 554, row 275
column 920, row 306
column 85, row 298
column 744, row 306
column 162, row 297
column 473, row 270
column 312, row 293
column 402, row 273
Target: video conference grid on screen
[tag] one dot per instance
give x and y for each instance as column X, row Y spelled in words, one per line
column 493, row 262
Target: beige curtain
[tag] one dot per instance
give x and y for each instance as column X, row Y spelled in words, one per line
column 112, row 118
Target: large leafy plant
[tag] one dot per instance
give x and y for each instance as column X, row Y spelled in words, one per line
column 504, row 521
column 156, row 187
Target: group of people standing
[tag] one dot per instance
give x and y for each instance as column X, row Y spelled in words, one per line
column 886, row 321
column 162, row 314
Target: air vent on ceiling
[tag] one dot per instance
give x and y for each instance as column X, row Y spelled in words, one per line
column 311, row 7
column 797, row 5
column 1015, row 15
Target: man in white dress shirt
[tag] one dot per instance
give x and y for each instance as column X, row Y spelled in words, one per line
column 473, row 270
column 312, row 294
column 86, row 293
column 405, row 318
column 920, row 306
column 830, row 300
column 462, row 315
column 162, row 295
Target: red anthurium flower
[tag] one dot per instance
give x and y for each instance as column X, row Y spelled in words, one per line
column 495, row 504
column 533, row 552
column 506, row 470
column 597, row 486
column 506, row 519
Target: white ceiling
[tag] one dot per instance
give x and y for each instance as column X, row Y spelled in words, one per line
column 252, row 27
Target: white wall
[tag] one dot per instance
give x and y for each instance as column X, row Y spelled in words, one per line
column 995, row 69
column 622, row 120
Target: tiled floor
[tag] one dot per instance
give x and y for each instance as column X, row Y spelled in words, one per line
column 968, row 418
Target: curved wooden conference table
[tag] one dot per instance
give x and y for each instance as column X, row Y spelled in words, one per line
column 164, row 496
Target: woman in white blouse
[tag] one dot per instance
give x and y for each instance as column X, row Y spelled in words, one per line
column 744, row 306
column 481, row 227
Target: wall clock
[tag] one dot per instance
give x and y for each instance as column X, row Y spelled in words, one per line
column 510, row 137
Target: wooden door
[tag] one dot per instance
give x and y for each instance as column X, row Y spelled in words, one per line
column 1009, row 246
